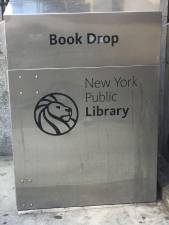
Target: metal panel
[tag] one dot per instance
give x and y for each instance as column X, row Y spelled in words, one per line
column 104, row 159
column 59, row 6
column 138, row 44
column 84, row 117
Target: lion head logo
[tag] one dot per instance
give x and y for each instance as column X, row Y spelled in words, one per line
column 56, row 114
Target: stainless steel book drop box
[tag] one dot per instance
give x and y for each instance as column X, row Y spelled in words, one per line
column 83, row 84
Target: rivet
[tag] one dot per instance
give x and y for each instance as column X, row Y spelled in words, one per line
column 23, row 205
column 22, row 181
column 29, row 180
column 30, row 204
column 20, row 92
column 36, row 76
column 20, row 76
column 37, row 92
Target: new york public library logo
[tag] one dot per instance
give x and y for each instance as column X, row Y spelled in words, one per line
column 56, row 114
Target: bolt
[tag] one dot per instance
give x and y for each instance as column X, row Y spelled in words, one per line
column 36, row 76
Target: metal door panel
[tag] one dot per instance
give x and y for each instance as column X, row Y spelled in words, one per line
column 103, row 159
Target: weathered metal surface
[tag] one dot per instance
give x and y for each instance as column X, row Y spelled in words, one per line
column 105, row 159
column 106, row 215
column 67, row 6
column 84, row 116
column 35, row 50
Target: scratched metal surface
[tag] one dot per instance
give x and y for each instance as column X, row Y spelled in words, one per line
column 102, row 160
column 139, row 35
column 59, row 6
column 105, row 215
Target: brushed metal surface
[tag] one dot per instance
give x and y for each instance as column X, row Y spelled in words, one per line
column 29, row 47
column 71, row 6
column 104, row 159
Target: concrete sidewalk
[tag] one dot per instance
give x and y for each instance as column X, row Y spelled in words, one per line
column 154, row 214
